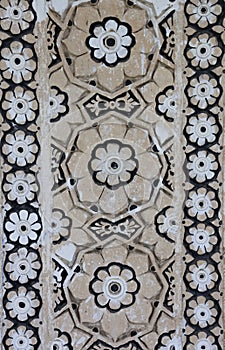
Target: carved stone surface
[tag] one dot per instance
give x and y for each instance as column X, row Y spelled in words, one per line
column 112, row 172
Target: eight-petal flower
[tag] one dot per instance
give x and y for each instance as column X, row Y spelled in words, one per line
column 20, row 187
column 201, row 238
column 203, row 51
column 110, row 41
column 20, row 148
column 20, row 105
column 23, row 226
column 23, row 266
column 114, row 286
column 18, row 63
column 202, row 166
column 21, row 338
column 203, row 91
column 203, row 12
column 111, row 288
column 202, row 129
column 15, row 16
column 22, row 303
column 202, row 203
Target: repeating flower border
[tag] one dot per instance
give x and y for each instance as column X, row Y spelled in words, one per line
column 24, row 328
column 194, row 254
column 195, row 328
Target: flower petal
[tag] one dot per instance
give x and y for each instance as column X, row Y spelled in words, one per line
column 119, row 322
column 89, row 312
column 113, row 201
column 111, row 25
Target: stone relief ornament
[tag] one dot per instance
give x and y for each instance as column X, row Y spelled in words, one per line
column 110, row 35
column 111, row 121
column 202, row 277
column 20, row 149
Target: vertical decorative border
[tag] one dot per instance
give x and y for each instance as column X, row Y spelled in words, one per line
column 20, row 149
column 202, row 208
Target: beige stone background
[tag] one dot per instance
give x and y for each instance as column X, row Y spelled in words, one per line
column 112, row 174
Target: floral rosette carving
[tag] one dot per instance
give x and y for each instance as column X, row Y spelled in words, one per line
column 16, row 16
column 203, row 13
column 166, row 103
column 22, row 303
column 21, row 337
column 204, row 91
column 20, row 148
column 114, row 286
column 201, row 276
column 57, row 104
column 18, row 63
column 23, row 225
column 202, row 204
column 202, row 238
column 113, row 173
column 202, row 311
column 166, row 223
column 60, row 225
column 203, row 51
column 111, row 287
column 23, row 266
column 112, row 40
column 202, row 129
column 203, row 341
column 62, row 340
column 20, row 105
column 202, row 166
column 20, row 187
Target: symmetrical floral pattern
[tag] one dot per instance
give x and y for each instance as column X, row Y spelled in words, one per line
column 114, row 286
column 20, row 105
column 115, row 291
column 111, row 41
column 20, row 187
column 20, row 148
column 202, row 217
column 204, row 51
column 18, row 62
column 15, row 16
column 23, row 226
column 203, row 13
column 203, row 91
column 23, row 266
column 116, row 166
column 104, row 170
column 113, row 164
column 21, row 338
column 22, row 304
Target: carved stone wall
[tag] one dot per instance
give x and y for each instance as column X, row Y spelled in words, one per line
column 112, row 174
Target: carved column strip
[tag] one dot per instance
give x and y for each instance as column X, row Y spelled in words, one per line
column 20, row 149
column 203, row 212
